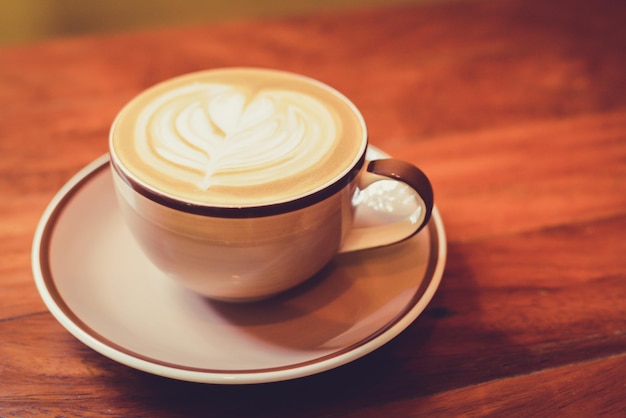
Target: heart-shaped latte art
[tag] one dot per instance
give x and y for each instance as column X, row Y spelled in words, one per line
column 213, row 135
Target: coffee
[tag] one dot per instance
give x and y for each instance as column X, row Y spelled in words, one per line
column 238, row 137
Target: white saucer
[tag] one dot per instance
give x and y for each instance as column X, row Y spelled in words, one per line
column 101, row 288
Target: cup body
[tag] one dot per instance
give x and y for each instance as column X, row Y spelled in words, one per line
column 239, row 256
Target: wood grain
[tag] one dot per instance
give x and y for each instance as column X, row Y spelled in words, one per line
column 516, row 110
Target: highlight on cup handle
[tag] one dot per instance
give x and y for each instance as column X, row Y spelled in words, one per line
column 413, row 177
column 381, row 235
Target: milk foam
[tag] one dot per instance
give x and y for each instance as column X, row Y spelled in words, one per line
column 237, row 137
column 216, row 134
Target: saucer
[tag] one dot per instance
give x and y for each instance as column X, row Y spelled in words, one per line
column 98, row 284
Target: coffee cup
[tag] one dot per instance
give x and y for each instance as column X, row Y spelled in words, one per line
column 240, row 183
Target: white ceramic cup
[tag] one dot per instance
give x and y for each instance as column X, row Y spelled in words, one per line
column 248, row 250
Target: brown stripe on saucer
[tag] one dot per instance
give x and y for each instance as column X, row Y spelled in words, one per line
column 46, row 271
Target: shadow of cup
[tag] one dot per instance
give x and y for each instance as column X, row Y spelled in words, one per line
column 356, row 297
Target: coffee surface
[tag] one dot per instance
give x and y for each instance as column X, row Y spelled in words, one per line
column 238, row 137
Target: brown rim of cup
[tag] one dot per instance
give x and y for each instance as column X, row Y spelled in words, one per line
column 269, row 209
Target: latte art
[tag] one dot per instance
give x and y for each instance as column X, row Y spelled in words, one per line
column 237, row 137
column 213, row 134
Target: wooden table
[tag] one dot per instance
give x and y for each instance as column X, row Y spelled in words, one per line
column 516, row 109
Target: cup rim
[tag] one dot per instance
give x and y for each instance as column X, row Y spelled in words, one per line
column 251, row 211
column 309, row 198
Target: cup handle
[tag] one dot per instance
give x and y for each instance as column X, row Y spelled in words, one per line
column 381, row 235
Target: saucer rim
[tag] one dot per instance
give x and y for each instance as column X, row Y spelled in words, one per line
column 53, row 300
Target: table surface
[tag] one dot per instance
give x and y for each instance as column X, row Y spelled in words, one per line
column 515, row 109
